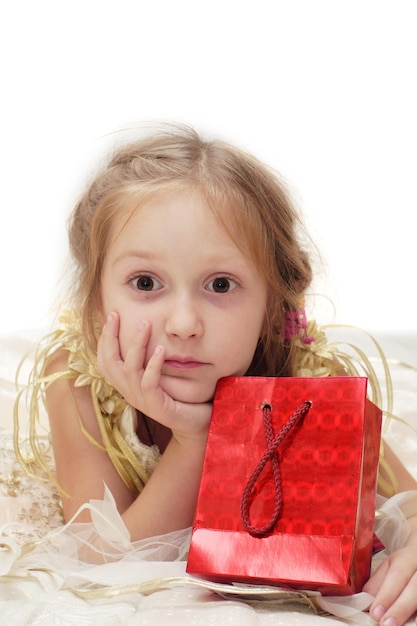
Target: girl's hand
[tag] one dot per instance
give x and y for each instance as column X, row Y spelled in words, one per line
column 394, row 586
column 139, row 384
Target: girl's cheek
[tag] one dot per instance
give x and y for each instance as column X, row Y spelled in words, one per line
column 135, row 336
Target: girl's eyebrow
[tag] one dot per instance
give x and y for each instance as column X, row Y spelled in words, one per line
column 151, row 255
column 146, row 255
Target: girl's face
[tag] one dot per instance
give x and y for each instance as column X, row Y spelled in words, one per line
column 174, row 265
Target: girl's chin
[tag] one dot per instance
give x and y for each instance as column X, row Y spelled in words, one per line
column 186, row 391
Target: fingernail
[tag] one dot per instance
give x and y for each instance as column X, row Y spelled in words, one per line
column 158, row 350
column 378, row 612
column 141, row 325
column 390, row 621
column 110, row 318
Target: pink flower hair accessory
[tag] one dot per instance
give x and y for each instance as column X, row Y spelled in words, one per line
column 296, row 324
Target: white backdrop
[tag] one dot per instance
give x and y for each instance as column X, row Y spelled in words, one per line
column 323, row 90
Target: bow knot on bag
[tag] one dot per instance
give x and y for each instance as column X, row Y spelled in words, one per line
column 271, row 454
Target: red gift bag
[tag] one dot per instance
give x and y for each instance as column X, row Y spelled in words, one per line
column 288, row 488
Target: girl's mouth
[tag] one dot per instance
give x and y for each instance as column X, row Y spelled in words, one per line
column 183, row 364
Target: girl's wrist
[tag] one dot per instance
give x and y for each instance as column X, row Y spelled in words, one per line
column 193, row 441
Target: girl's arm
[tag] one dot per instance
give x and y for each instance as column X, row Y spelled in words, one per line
column 406, row 482
column 81, row 468
column 168, row 500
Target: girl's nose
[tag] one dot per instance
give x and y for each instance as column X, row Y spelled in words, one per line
column 184, row 319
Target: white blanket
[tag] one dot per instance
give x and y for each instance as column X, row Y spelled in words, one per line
column 46, row 585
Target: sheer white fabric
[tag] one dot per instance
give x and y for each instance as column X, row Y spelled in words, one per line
column 79, row 572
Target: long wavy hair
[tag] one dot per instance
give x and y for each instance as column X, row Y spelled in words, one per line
column 249, row 198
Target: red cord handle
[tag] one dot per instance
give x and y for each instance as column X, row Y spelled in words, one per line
column 270, row 454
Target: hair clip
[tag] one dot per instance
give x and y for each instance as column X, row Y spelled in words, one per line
column 295, row 323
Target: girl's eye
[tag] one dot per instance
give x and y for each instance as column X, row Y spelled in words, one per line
column 146, row 283
column 221, row 284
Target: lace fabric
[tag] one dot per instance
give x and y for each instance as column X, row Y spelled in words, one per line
column 31, row 505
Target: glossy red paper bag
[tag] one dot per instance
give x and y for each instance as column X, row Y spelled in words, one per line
column 324, row 439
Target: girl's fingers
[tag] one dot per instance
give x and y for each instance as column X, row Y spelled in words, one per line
column 157, row 403
column 135, row 368
column 394, row 586
column 135, row 358
column 400, row 611
column 406, row 605
column 152, row 375
column 374, row 583
column 108, row 348
column 137, row 381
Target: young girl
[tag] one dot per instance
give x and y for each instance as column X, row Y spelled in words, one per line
column 189, row 266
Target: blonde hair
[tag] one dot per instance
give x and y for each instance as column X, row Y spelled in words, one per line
column 262, row 220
